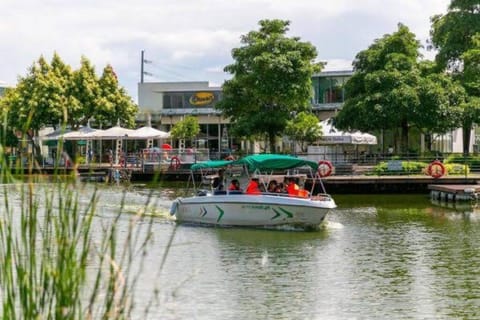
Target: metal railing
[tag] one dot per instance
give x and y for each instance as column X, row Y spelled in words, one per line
column 454, row 164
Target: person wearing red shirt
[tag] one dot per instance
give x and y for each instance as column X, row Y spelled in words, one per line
column 252, row 187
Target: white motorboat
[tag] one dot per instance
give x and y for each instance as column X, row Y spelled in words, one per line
column 264, row 210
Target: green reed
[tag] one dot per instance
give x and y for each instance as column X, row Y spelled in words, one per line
column 52, row 264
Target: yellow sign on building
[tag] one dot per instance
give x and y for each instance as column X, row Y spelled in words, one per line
column 201, row 98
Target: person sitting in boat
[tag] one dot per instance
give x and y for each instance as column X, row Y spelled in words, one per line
column 292, row 187
column 234, row 185
column 272, row 186
column 294, row 190
column 217, row 182
column 252, row 187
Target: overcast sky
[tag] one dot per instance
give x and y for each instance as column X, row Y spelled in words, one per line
column 191, row 40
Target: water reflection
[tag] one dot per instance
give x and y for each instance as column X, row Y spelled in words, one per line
column 268, row 264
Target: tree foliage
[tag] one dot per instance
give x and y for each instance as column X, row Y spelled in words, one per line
column 470, row 77
column 452, row 33
column 53, row 94
column 36, row 101
column 187, row 128
column 115, row 105
column 390, row 89
column 304, row 129
column 271, row 79
column 456, row 37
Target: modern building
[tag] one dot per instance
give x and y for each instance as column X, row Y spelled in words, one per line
column 329, row 90
column 3, row 87
column 166, row 103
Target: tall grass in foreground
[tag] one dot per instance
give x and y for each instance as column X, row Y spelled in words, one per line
column 52, row 264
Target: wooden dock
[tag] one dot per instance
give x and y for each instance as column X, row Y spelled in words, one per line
column 454, row 192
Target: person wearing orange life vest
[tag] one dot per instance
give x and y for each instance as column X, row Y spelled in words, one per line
column 234, row 185
column 292, row 187
column 252, row 187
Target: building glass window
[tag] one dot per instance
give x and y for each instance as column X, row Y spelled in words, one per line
column 329, row 89
column 173, row 101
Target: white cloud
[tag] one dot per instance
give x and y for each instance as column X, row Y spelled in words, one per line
column 191, row 39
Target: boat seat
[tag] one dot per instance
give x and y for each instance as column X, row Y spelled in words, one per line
column 202, row 192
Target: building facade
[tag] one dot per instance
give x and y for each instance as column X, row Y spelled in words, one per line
column 166, row 103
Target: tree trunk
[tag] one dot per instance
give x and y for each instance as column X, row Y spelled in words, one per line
column 271, row 139
column 36, row 151
column 428, row 141
column 404, row 138
column 466, row 130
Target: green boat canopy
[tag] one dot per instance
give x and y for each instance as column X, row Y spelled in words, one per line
column 260, row 162
column 210, row 164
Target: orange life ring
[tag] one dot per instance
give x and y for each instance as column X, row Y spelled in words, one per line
column 436, row 169
column 175, row 163
column 324, row 168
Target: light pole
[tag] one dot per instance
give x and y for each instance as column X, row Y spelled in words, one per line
column 125, row 152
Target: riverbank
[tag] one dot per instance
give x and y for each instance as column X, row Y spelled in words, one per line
column 358, row 183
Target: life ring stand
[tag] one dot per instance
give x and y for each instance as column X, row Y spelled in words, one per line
column 175, row 163
column 436, row 169
column 325, row 168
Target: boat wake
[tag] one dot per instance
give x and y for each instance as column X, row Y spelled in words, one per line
column 333, row 225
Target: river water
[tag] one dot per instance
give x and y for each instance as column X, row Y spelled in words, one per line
column 377, row 257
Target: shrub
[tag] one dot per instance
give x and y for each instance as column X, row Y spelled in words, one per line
column 408, row 167
column 456, row 169
column 471, row 161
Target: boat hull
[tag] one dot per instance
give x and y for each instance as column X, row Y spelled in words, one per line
column 266, row 211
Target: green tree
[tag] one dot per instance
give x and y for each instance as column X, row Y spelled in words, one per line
column 441, row 103
column 34, row 103
column 115, row 104
column 7, row 135
column 271, row 79
column 452, row 33
column 390, row 89
column 53, row 94
column 470, row 78
column 186, row 129
column 62, row 76
column 87, row 94
column 37, row 101
column 304, row 129
column 453, row 36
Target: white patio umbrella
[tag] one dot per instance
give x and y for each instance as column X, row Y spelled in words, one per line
column 54, row 135
column 84, row 133
column 113, row 133
column 332, row 135
column 148, row 133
